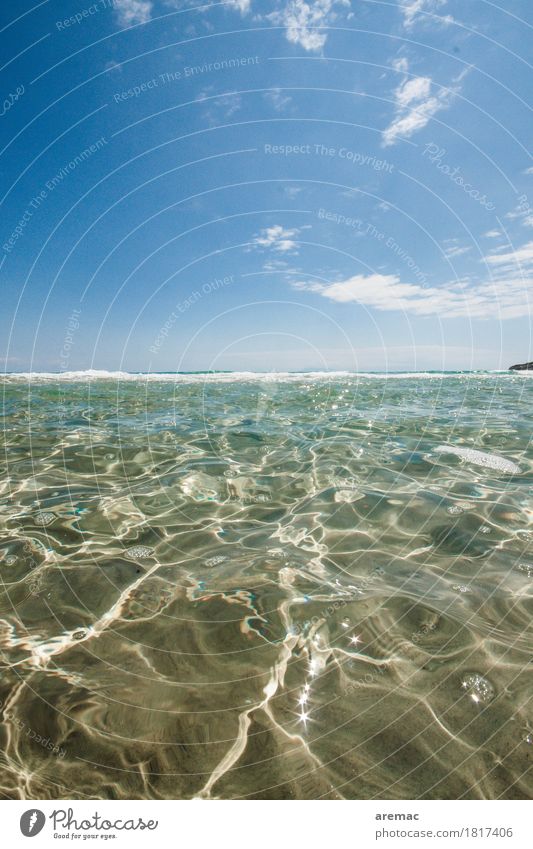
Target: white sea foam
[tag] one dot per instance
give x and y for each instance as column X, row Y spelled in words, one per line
column 481, row 458
column 241, row 376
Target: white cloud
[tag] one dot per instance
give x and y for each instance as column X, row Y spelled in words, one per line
column 230, row 103
column 276, row 237
column 415, row 106
column 456, row 250
column 241, row 6
column 277, row 99
column 414, row 89
column 413, row 11
column 522, row 256
column 492, row 234
column 521, row 211
column 502, row 299
column 275, row 265
column 133, row 11
column 219, row 108
column 401, row 64
column 301, row 19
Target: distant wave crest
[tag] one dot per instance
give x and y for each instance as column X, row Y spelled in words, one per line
column 240, row 376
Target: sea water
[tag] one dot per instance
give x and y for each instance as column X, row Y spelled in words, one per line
column 266, row 586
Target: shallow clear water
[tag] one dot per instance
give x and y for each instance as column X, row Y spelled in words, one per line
column 266, row 587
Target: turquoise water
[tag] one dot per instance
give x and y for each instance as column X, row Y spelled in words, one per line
column 286, row 586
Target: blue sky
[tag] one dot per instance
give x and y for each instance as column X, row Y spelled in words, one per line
column 257, row 185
